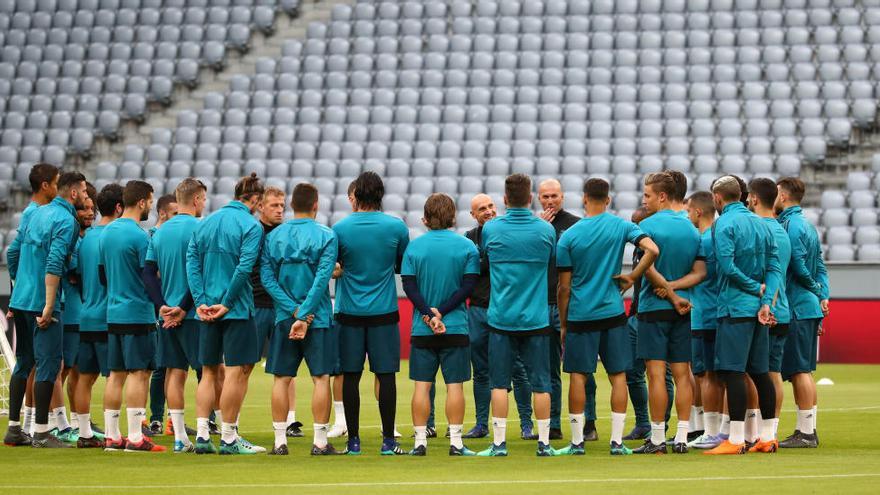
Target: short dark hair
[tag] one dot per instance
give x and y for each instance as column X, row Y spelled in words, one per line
column 369, row 190
column 439, row 211
column 108, row 198
column 681, row 185
column 304, row 197
column 164, row 201
column 248, row 187
column 661, row 182
column 744, row 190
column 42, row 172
column 703, row 200
column 794, row 187
column 517, row 188
column 351, row 187
column 134, row 191
column 639, row 214
column 68, row 179
column 91, row 191
column 765, row 190
column 596, row 189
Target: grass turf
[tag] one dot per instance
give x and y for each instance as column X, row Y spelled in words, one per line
column 847, row 460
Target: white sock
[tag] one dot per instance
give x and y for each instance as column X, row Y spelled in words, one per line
column 737, row 432
column 291, row 417
column 752, row 421
column 658, row 433
column 617, row 422
column 177, row 423
column 499, row 430
column 339, row 413
column 775, row 427
column 577, row 428
column 725, row 424
column 279, row 427
column 111, row 425
column 711, row 421
column 218, row 417
column 681, row 433
column 202, row 430
column 38, row 428
column 320, row 440
column 815, row 417
column 74, row 420
column 13, row 423
column 136, row 415
column 421, row 435
column 227, row 430
column 53, row 423
column 27, row 424
column 85, row 425
column 697, row 416
column 455, row 436
column 544, row 431
column 805, row 421
column 768, row 431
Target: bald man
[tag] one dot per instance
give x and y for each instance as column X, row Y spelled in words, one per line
column 551, row 197
column 483, row 209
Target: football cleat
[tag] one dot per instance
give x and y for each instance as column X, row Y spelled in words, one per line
column 765, row 447
column 544, row 450
column 650, row 448
column 391, row 446
column 111, row 445
column 526, row 433
column 279, row 450
column 419, row 451
column 461, row 452
column 16, row 437
column 183, row 447
column 353, row 446
column 478, row 431
column 90, row 443
column 494, row 451
column 800, row 441
column 619, row 449
column 294, row 430
column 237, row 447
column 570, row 449
column 680, row 448
column 48, row 441
column 638, row 433
column 705, row 442
column 205, row 446
column 325, row 450
column 727, row 448
column 145, row 445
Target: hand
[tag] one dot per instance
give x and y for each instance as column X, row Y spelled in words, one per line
column 45, row 319
column 298, row 330
column 548, row 214
column 661, row 292
column 820, row 331
column 203, row 313
column 682, row 306
column 171, row 316
column 437, row 313
column 309, row 318
column 337, row 271
column 764, row 316
column 562, row 330
column 9, row 315
column 217, row 311
column 624, row 281
column 437, row 326
column 825, row 307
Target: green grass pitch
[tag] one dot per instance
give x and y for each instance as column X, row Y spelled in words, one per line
column 846, row 462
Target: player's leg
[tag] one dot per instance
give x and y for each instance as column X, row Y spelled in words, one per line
column 48, row 343
column 732, row 343
column 758, row 372
column 113, row 405
column 339, row 426
column 383, row 349
column 522, row 395
column 157, row 402
column 91, row 361
column 590, row 432
column 555, row 375
column 753, row 413
column 479, row 354
column 501, row 364
column 139, row 355
column 432, row 425
column 796, row 365
column 240, row 351
column 17, row 433
column 294, row 427
column 581, row 355
column 207, row 393
column 29, row 410
column 534, row 351
column 614, row 349
column 456, row 367
column 421, row 405
column 352, row 355
column 636, row 386
column 698, row 371
column 653, row 347
column 321, row 351
column 679, row 359
column 280, row 385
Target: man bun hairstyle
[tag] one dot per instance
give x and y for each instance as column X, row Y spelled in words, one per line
column 439, row 211
column 369, row 191
column 596, row 189
column 518, row 188
column 304, row 197
column 248, row 187
column 794, row 187
column 134, row 191
column 42, row 172
column 109, row 197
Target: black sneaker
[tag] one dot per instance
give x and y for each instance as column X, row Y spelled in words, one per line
column 555, row 433
column 680, row 448
column 649, row 448
column 213, row 429
column 153, row 429
column 294, row 430
column 281, row 450
column 799, row 441
column 326, row 450
column 92, row 442
column 419, row 451
column 693, row 435
column 46, row 440
column 638, row 433
column 430, row 432
column 16, row 437
column 590, row 433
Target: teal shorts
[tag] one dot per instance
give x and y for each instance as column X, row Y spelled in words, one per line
column 454, row 362
column 179, row 346
column 743, row 345
column 582, row 350
column 777, row 351
column 70, row 347
column 48, row 346
column 668, row 341
column 381, row 343
column 698, row 363
column 93, row 355
column 264, row 321
column 534, row 352
column 229, row 342
column 131, row 352
column 801, row 347
column 320, row 349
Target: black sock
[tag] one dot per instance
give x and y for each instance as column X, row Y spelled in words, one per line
column 387, row 402
column 17, row 387
column 42, row 399
column 351, row 399
column 736, row 394
column 589, row 425
column 766, row 394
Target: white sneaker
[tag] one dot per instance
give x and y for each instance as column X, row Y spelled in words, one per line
column 396, row 433
column 337, row 431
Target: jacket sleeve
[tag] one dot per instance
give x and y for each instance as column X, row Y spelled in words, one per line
column 150, row 277
column 773, row 271
column 194, row 272
column 798, row 262
column 60, row 247
column 250, row 250
column 825, row 290
column 268, row 271
column 724, row 252
column 326, row 264
column 12, row 255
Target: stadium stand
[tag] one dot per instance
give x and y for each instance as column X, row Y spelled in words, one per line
column 452, row 96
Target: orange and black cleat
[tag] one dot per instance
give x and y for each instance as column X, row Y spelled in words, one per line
column 768, row 447
column 727, row 448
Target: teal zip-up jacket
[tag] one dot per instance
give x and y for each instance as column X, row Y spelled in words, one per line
column 93, row 315
column 295, row 267
column 781, row 310
column 220, row 258
column 519, row 246
column 704, row 314
column 46, row 245
column 71, row 291
column 168, row 247
column 747, row 257
column 807, row 277
column 14, row 251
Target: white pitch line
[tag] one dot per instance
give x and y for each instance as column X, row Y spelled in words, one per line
column 449, row 482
